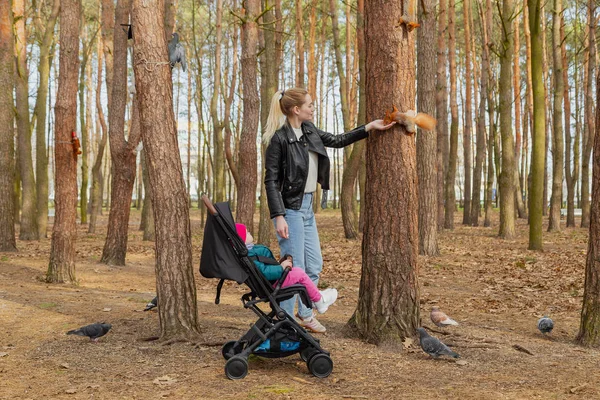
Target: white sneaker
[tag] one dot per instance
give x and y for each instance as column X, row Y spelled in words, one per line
column 311, row 324
column 328, row 297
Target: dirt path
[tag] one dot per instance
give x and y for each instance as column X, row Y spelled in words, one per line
column 496, row 290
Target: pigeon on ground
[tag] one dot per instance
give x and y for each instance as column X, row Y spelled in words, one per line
column 440, row 318
column 153, row 303
column 93, row 331
column 433, row 346
column 177, row 52
column 545, row 325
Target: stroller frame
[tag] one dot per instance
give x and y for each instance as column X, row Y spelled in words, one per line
column 276, row 323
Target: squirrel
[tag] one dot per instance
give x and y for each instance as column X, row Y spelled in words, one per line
column 410, row 120
column 76, row 145
column 408, row 17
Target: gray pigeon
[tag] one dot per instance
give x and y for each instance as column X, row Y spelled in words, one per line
column 433, row 346
column 177, row 52
column 93, row 331
column 545, row 325
column 153, row 303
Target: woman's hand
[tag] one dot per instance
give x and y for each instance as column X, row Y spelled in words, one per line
column 379, row 125
column 281, row 227
column 286, row 263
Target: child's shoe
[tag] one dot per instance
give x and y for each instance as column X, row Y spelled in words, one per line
column 311, row 324
column 328, row 297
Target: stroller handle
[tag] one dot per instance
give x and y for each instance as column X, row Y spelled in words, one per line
column 209, row 205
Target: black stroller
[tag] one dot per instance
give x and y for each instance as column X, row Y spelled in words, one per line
column 274, row 335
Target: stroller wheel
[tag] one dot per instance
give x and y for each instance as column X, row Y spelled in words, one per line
column 236, row 367
column 307, row 353
column 227, row 349
column 320, row 365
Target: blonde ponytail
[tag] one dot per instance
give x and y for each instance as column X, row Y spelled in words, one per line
column 282, row 103
column 276, row 118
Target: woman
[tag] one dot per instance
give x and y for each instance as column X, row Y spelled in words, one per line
column 295, row 160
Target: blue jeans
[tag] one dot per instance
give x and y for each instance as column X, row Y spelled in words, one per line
column 304, row 246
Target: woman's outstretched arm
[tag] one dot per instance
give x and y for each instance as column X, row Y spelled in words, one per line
column 352, row 136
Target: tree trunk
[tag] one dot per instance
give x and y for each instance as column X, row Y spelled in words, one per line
column 198, row 101
column 441, row 110
column 270, row 63
column 312, row 40
column 453, row 152
column 40, row 111
column 61, row 268
column 148, row 211
column 388, row 301
column 487, row 32
column 123, row 152
column 547, row 106
column 28, row 227
column 176, row 291
column 97, row 176
column 349, row 219
column 139, row 185
column 467, row 156
column 427, row 141
column 521, row 212
column 299, row 45
column 481, row 132
column 362, row 104
column 536, row 200
column 218, row 159
column 188, row 182
column 246, row 200
column 170, row 14
column 84, row 128
column 507, row 191
column 590, row 128
column 529, row 91
column 7, row 157
column 577, row 143
column 567, row 103
column 227, row 123
column 589, row 328
column 108, row 30
column 557, row 119
column 340, row 65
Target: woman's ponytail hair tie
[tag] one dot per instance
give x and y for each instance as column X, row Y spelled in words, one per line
column 282, row 93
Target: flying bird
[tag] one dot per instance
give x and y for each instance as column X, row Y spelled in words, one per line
column 177, row 52
column 545, row 325
column 433, row 346
column 93, row 331
column 153, row 303
column 440, row 318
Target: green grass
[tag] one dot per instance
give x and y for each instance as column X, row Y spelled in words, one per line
column 47, row 306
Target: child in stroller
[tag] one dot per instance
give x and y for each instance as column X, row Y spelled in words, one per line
column 273, row 270
column 275, row 334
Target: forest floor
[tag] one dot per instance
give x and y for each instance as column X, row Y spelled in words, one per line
column 496, row 289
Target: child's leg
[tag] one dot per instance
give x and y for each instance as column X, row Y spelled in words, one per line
column 297, row 275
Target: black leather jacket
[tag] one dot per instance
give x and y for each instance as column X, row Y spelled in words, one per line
column 286, row 163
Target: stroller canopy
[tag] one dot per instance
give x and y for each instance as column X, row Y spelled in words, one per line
column 222, row 247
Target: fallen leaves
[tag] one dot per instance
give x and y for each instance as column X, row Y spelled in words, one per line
column 165, row 380
column 407, row 342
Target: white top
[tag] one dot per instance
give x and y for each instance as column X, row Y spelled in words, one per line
column 313, row 165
